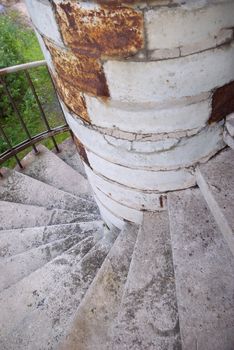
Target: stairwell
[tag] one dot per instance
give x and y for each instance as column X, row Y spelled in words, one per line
column 67, row 281
column 127, row 244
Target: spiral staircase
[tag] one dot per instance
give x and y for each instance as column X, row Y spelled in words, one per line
column 70, row 282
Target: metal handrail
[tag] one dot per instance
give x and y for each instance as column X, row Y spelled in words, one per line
column 23, row 66
column 31, row 141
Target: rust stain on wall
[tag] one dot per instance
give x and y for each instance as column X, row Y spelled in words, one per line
column 222, row 102
column 81, row 72
column 81, row 150
column 99, row 30
column 72, row 98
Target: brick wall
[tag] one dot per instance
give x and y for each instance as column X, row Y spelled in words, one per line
column 145, row 87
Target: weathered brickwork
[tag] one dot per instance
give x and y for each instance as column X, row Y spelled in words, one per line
column 72, row 97
column 114, row 31
column 222, row 102
column 82, row 72
column 145, row 86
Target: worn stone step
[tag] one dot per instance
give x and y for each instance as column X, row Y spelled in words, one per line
column 19, row 188
column 68, row 153
column 30, row 293
column 204, row 270
column 216, row 182
column 53, row 300
column 18, row 266
column 49, row 168
column 91, row 328
column 148, row 315
column 16, row 241
column 15, row 215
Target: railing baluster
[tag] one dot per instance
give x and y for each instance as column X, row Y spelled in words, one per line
column 40, row 108
column 10, row 145
column 13, row 151
column 52, row 81
column 2, row 80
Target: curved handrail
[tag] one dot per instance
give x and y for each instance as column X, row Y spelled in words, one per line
column 31, row 141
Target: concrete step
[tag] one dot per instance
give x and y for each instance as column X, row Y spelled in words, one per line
column 16, row 241
column 43, row 326
column 91, row 328
column 49, row 168
column 68, row 153
column 148, row 316
column 19, row 188
column 216, row 182
column 15, row 215
column 204, row 270
column 18, row 266
column 29, row 294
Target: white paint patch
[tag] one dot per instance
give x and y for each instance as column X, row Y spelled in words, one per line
column 43, row 19
column 118, row 209
column 127, row 196
column 138, row 179
column 170, row 79
column 148, row 120
column 186, row 153
column 173, row 27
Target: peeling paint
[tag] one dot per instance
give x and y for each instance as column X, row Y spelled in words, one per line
column 81, row 72
column 98, row 30
column 72, row 98
column 81, row 150
column 222, row 102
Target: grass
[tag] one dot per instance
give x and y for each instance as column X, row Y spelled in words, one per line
column 18, row 44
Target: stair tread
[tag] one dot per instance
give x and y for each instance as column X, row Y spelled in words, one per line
column 16, row 241
column 15, row 215
column 216, row 181
column 91, row 328
column 148, row 315
column 20, row 188
column 43, row 326
column 204, row 270
column 18, row 301
column 18, row 266
column 68, row 153
column 49, row 168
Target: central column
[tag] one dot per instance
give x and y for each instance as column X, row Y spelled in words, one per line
column 145, row 87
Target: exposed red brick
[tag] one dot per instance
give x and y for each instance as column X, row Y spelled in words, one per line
column 81, row 150
column 81, row 72
column 222, row 102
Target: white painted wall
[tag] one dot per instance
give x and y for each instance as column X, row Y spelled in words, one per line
column 146, row 139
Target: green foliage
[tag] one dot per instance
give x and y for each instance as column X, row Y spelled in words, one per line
column 18, row 44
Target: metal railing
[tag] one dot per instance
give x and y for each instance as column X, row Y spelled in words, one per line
column 30, row 141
